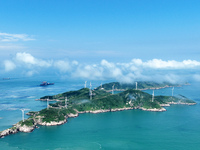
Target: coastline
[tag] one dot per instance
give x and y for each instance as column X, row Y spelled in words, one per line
column 181, row 103
column 38, row 119
column 151, row 88
column 17, row 127
column 153, row 109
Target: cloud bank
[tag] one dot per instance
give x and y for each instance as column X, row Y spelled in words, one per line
column 151, row 70
column 170, row 64
column 28, row 60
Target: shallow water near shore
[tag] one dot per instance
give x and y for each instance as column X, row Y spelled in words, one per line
column 177, row 128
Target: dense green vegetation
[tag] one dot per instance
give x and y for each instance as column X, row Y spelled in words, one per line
column 79, row 94
column 177, row 99
column 140, row 99
column 27, row 122
column 80, row 100
column 140, row 85
column 101, row 100
column 106, row 102
column 69, row 104
column 51, row 115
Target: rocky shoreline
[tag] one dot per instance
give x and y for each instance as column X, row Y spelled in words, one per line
column 42, row 117
column 105, row 110
column 120, row 109
column 52, row 123
column 181, row 103
column 176, row 103
column 164, row 105
column 38, row 121
column 153, row 109
column 17, row 127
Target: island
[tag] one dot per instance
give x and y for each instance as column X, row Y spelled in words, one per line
column 101, row 99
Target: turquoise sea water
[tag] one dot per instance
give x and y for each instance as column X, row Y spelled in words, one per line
column 178, row 128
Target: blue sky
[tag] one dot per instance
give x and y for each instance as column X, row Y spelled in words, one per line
column 90, row 31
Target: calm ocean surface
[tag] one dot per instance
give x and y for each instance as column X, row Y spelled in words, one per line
column 177, row 129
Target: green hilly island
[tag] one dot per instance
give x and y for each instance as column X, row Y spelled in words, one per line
column 100, row 99
column 142, row 85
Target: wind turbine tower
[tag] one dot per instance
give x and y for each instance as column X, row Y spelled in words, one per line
column 85, row 83
column 90, row 94
column 90, row 85
column 173, row 91
column 23, row 113
column 153, row 96
column 47, row 103
column 66, row 102
column 90, row 91
column 113, row 89
column 136, row 85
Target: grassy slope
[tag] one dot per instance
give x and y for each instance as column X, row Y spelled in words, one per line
column 80, row 100
column 140, row 85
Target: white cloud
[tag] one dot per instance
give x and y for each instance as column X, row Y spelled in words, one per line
column 75, row 62
column 9, row 65
column 92, row 72
column 172, row 78
column 137, row 61
column 111, row 70
column 170, row 64
column 107, row 64
column 7, row 37
column 63, row 66
column 28, row 59
column 151, row 70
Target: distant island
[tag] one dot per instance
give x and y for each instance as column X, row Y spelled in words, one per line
column 98, row 100
column 45, row 83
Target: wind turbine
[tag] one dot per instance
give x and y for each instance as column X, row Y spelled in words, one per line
column 85, row 83
column 23, row 113
column 172, row 91
column 47, row 103
column 90, row 85
column 90, row 94
column 113, row 89
column 66, row 102
column 90, row 91
column 153, row 96
column 136, row 85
